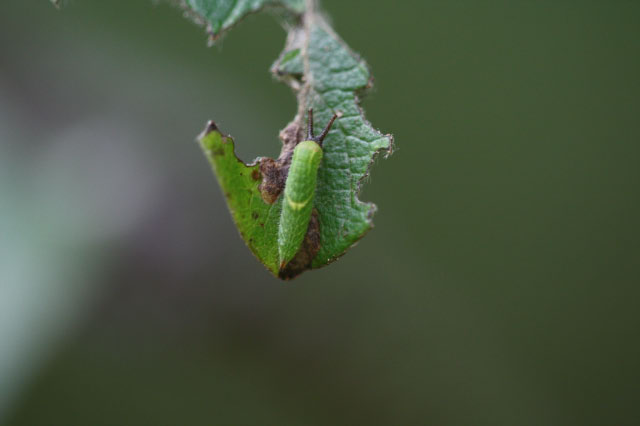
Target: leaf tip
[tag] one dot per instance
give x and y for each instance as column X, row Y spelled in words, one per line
column 210, row 127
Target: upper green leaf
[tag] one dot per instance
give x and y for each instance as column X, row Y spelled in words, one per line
column 220, row 15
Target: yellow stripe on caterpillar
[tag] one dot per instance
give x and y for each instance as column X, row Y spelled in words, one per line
column 298, row 205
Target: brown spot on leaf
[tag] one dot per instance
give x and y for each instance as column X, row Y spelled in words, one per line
column 274, row 172
column 273, row 180
column 309, row 249
column 218, row 152
column 255, row 175
column 255, row 215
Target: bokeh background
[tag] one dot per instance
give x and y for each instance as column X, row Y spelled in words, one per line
column 499, row 287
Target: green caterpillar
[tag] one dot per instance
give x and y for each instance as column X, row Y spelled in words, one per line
column 299, row 192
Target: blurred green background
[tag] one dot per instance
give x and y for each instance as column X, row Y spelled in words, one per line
column 499, row 286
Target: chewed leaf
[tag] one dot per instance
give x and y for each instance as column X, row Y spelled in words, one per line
column 329, row 78
column 336, row 75
column 256, row 220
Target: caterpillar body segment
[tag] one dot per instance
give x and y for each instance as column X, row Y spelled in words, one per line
column 299, row 193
